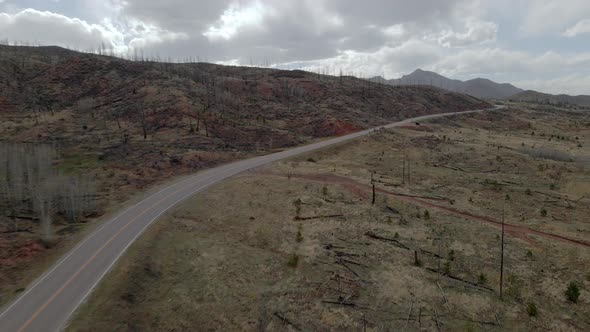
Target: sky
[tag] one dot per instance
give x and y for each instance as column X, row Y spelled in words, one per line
column 534, row 44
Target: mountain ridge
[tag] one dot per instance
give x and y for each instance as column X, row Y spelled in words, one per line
column 477, row 87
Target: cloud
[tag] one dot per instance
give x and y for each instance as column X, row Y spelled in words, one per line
column 47, row 28
column 54, row 29
column 579, row 28
column 233, row 19
column 477, row 32
column 545, row 16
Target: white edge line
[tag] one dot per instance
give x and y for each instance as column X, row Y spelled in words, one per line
column 80, row 244
column 139, row 234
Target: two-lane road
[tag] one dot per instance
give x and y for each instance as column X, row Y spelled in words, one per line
column 49, row 302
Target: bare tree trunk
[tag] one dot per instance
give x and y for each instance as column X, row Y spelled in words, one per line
column 143, row 123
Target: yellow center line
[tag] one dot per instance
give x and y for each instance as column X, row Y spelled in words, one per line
column 40, row 310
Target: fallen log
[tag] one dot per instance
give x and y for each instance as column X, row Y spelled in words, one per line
column 319, row 217
column 378, row 237
column 462, row 280
column 286, row 321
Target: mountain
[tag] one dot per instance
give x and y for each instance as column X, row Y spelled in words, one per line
column 557, row 100
column 479, row 87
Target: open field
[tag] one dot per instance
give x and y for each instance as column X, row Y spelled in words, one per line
column 299, row 245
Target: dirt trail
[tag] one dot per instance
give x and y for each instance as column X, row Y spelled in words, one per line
column 362, row 190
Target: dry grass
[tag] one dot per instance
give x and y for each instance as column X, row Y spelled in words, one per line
column 209, row 267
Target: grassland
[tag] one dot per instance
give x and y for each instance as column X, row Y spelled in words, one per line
column 300, row 245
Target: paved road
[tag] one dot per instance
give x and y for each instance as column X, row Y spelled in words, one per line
column 49, row 302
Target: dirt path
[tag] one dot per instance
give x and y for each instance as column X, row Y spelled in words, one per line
column 362, row 190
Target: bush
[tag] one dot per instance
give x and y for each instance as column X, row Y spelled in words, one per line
column 572, row 293
column 426, row 215
column 293, row 260
column 531, row 309
column 482, row 279
column 447, row 268
column 514, row 287
column 528, row 191
column 311, row 160
column 543, row 213
column 452, row 255
column 529, row 254
column 299, row 237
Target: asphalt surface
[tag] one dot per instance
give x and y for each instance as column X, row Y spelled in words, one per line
column 47, row 304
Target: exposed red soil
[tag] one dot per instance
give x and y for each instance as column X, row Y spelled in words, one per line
column 14, row 253
column 362, row 190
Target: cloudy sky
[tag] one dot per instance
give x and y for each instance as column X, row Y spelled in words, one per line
column 535, row 44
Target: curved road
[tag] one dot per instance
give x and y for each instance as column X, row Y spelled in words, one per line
column 48, row 303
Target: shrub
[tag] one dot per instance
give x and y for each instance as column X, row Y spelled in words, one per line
column 572, row 293
column 507, row 197
column 529, row 254
column 293, row 260
column 325, row 191
column 543, row 213
column 452, row 255
column 514, row 287
column 299, row 237
column 447, row 268
column 528, row 191
column 482, row 279
column 311, row 160
column 531, row 309
column 426, row 215
column 417, row 261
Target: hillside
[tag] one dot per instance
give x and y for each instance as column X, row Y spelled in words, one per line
column 120, row 108
column 568, row 101
column 105, row 129
column 478, row 87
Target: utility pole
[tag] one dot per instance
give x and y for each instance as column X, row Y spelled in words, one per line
column 502, row 254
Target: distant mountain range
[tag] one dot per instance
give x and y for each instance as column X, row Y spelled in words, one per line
column 545, row 98
column 478, row 87
column 487, row 89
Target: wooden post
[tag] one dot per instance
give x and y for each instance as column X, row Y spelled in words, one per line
column 373, row 200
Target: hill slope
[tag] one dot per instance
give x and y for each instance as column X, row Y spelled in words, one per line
column 49, row 94
column 479, row 87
